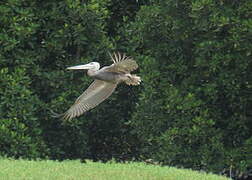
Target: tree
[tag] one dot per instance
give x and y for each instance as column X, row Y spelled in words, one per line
column 195, row 59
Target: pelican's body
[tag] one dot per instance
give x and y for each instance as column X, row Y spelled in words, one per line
column 106, row 80
column 103, row 75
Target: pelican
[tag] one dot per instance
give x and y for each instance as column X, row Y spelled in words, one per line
column 105, row 82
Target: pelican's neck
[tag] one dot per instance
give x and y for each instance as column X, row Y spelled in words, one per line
column 91, row 72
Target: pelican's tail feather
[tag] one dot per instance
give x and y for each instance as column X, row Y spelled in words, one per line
column 133, row 80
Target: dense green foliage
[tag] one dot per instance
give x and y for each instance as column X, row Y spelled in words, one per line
column 193, row 108
column 197, row 100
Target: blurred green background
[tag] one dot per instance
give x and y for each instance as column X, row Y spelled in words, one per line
column 192, row 110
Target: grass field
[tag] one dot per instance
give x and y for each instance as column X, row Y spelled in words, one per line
column 71, row 170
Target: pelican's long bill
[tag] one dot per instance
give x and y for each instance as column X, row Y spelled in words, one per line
column 85, row 66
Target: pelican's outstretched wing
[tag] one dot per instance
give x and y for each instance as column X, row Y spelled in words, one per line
column 97, row 92
column 122, row 63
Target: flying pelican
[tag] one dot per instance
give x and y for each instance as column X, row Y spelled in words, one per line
column 106, row 80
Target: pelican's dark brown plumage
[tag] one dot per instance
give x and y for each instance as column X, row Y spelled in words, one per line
column 106, row 80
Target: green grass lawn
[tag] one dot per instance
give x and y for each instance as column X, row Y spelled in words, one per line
column 71, row 170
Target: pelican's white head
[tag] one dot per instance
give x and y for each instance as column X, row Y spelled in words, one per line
column 90, row 66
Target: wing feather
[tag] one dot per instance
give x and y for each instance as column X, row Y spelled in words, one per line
column 122, row 63
column 96, row 93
